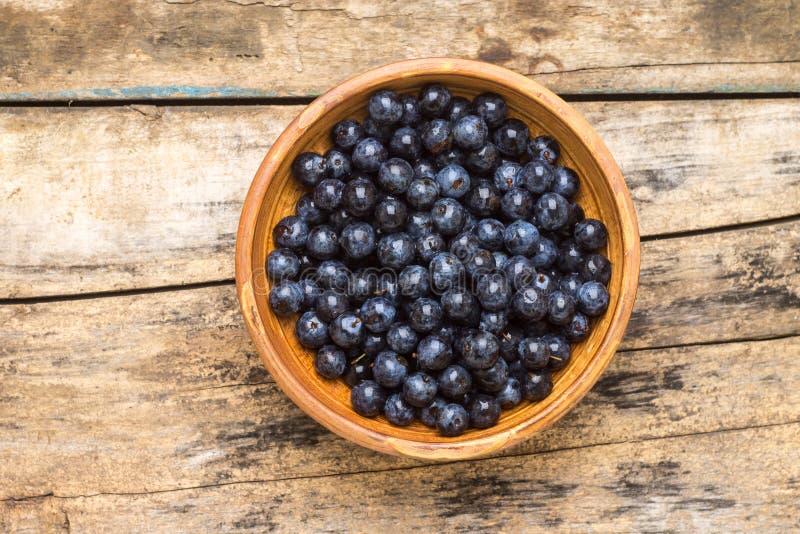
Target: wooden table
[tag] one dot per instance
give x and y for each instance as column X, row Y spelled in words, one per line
column 131, row 398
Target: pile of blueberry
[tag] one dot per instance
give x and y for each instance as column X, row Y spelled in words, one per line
column 440, row 264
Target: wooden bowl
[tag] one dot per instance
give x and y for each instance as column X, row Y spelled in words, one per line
column 603, row 195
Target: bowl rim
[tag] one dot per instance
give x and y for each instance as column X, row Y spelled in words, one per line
column 464, row 446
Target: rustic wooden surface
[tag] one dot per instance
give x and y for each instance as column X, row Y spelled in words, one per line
column 131, row 398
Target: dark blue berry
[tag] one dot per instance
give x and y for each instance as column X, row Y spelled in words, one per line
column 457, row 303
column 446, row 332
column 357, row 371
column 347, row 330
column 453, row 181
column 406, row 144
column 484, row 411
column 368, row 154
column 330, row 361
column 368, row 398
column 332, row 274
column 328, row 194
column 430, row 413
column 596, row 267
column 419, row 223
column 434, row 100
column 454, row 382
column 282, row 264
column 537, row 176
column 396, row 250
column 558, row 351
column 491, row 107
column 566, row 182
column 310, row 292
column 398, row 411
column 448, row 157
column 521, row 238
column 308, row 168
column 345, row 134
column 530, row 303
column 424, row 169
column 544, row 147
column 516, row 204
column 322, row 243
column 480, row 350
column 510, row 395
column 419, row 389
column 519, row 271
column 536, row 385
column 484, row 199
column 337, row 165
column 544, row 283
column 362, row 285
column 395, row 175
column 308, row 211
column 446, row 272
column 480, row 263
column 511, row 137
column 437, row 136
column 389, row 369
column 447, row 215
column 401, row 338
column 359, row 197
column 470, row 222
column 593, row 298
column 490, row 233
column 339, row 218
column 378, row 131
column 358, row 240
column 552, row 211
column 494, row 378
column 311, row 331
column 390, row 215
column 286, row 298
column 590, row 234
column 331, row 304
column 385, row 107
column 494, row 292
column 494, row 322
column 433, row 353
column 470, row 132
column 378, row 314
column 373, row 343
column 500, row 258
column 545, row 255
column 422, row 193
column 425, row 315
column 452, row 421
column 484, row 160
column 570, row 257
column 508, row 176
column 429, row 245
column 533, row 353
column 577, row 329
column 459, row 107
column 386, row 286
column 412, row 115
column 290, row 232
column 413, row 282
column 570, row 284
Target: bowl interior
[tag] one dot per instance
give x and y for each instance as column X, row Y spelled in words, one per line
column 596, row 196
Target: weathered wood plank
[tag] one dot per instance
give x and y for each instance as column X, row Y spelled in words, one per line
column 96, row 50
column 736, row 481
column 101, row 199
column 86, row 382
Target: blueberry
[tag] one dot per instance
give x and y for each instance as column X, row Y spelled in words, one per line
column 346, row 133
column 395, row 251
column 332, row 274
column 328, row 194
column 357, row 371
column 386, row 286
column 389, row 369
column 545, row 255
column 491, row 108
column 570, row 284
column 470, row 132
column 308, row 168
column 395, row 175
column 448, row 157
column 454, row 382
column 494, row 292
column 390, row 214
column 447, row 333
column 558, row 351
column 359, row 197
column 419, row 389
column 398, row 411
column 508, row 176
column 453, row 181
column 322, row 243
column 544, row 283
column 430, row 413
column 433, row 353
column 347, row 330
column 378, row 314
column 447, row 215
column 479, row 264
column 308, row 211
column 282, row 264
column 511, row 137
column 437, row 136
column 286, row 298
column 368, row 154
column 310, row 291
column 552, row 211
column 537, row 176
column 424, row 169
column 413, row 282
column 457, row 303
column 339, row 218
column 533, row 352
column 510, row 395
column 337, row 164
column 577, row 329
column 480, row 350
column 331, row 304
column 536, row 385
column 500, row 258
column 516, row 204
column 330, row 361
column 470, row 222
column 494, row 322
column 464, row 245
column 490, row 233
column 311, row 331
column 570, row 257
column 401, row 338
column 519, row 271
column 422, row 193
column 459, row 107
column 377, row 131
column 358, row 240
column 590, row 234
column 290, row 232
column 530, row 303
column 494, row 378
column 484, row 411
column 425, row 315
column 593, row 298
column 544, row 147
column 429, row 245
column 566, row 182
column 419, row 223
column 483, row 199
column 521, row 238
column 596, row 267
column 385, row 107
column 452, row 420
column 373, row 343
column 406, row 144
column 412, row 114
column 446, row 271
column 434, row 100
column 367, row 398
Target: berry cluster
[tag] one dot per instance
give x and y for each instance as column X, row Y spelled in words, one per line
column 439, row 261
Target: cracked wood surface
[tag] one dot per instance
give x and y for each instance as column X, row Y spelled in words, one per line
column 100, row 199
column 135, row 49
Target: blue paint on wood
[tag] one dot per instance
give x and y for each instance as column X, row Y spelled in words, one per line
column 146, row 92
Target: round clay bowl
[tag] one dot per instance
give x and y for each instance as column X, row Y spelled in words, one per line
column 603, row 195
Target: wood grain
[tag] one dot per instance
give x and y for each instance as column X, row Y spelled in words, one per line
column 135, row 49
column 147, row 196
column 741, row 480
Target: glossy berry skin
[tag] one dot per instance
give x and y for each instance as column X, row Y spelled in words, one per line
column 454, row 382
column 446, row 332
column 457, row 303
column 511, row 138
column 470, row 222
column 596, row 267
column 378, row 314
column 309, row 169
column 282, row 264
column 544, row 282
column 545, row 255
column 330, row 361
column 494, row 322
column 412, row 115
column 308, row 211
column 378, row 131
column 424, row 169
column 310, row 291
column 464, row 245
column 453, row 181
column 339, row 218
column 537, row 176
column 494, row 292
column 510, row 395
column 358, row 240
column 459, row 107
column 484, row 199
column 447, row 215
column 368, row 398
column 328, row 194
column 452, row 421
column 483, row 161
column 360, row 197
column 508, row 176
column 346, row 133
column 405, row 143
column 437, row 136
column 558, row 351
column 490, row 234
column 494, row 378
column 419, row 223
column 560, row 308
column 491, row 108
column 425, row 315
column 480, row 350
column 521, row 238
column 593, row 298
column 533, row 353
column 566, row 182
column 401, row 338
column 577, row 329
column 446, row 271
column 433, row 353
column 386, row 287
column 311, row 331
column 519, row 271
column 430, row 413
column 385, row 107
column 347, row 330
column 536, row 385
column 390, row 215
column 552, row 211
column 395, row 175
column 516, row 204
column 544, row 147
column 570, row 257
column 368, row 154
column 530, row 303
column 484, row 411
column 322, row 243
column 570, row 284
column 434, row 99
column 337, row 164
column 357, row 371
column 414, row 282
column 590, row 234
column 373, row 344
column 286, row 298
column 290, row 232
column 397, row 411
column 419, row 389
column 395, row 251
column 500, row 258
column 509, row 343
column 331, row 304
column 422, row 193
column 479, row 264
column 332, row 274
column 470, row 132
column 389, row 369
column 429, row 245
